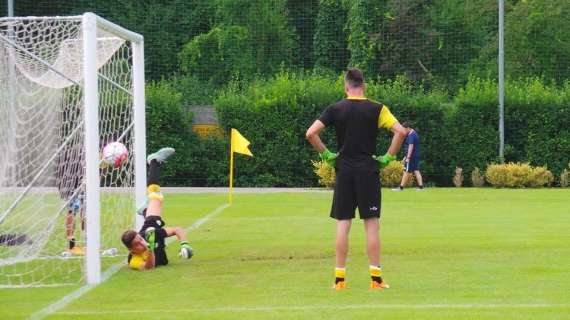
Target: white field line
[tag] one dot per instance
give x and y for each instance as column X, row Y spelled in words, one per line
column 323, row 307
column 61, row 303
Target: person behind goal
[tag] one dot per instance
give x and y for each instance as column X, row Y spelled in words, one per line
column 72, row 191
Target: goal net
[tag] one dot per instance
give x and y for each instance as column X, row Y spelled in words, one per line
column 49, row 111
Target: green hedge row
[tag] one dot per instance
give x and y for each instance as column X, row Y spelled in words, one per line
column 197, row 162
column 537, row 124
column 459, row 130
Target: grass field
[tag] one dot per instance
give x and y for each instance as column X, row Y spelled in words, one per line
column 447, row 253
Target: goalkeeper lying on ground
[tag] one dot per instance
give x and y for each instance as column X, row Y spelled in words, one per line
column 147, row 248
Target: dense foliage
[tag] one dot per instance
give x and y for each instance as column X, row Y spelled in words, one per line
column 439, row 43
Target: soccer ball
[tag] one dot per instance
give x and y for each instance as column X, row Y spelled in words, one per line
column 115, row 153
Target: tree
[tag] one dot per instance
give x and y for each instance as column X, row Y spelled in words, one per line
column 302, row 16
column 537, row 41
column 223, row 54
column 271, row 38
column 363, row 34
column 330, row 40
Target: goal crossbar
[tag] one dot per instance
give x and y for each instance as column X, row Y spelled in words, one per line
column 101, row 23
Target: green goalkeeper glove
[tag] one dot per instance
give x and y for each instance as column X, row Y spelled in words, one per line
column 150, row 237
column 384, row 160
column 329, row 157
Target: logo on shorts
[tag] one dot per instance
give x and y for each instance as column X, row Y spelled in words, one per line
column 373, row 208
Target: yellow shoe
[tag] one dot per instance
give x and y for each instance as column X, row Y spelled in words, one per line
column 77, row 251
column 341, row 285
column 379, row 285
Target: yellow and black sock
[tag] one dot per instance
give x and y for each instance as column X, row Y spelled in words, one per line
column 153, row 191
column 339, row 274
column 376, row 273
column 151, row 188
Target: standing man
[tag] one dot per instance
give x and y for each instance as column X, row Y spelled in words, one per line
column 412, row 158
column 356, row 121
column 71, row 190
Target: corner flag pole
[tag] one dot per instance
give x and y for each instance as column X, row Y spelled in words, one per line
column 231, row 172
column 239, row 144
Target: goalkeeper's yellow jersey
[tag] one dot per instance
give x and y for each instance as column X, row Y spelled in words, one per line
column 137, row 261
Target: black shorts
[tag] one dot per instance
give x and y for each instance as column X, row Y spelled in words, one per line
column 156, row 222
column 356, row 188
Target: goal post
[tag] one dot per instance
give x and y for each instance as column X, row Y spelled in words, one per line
column 92, row 187
column 68, row 86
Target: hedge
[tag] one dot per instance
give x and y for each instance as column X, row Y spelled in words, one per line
column 537, row 124
column 197, row 162
column 455, row 130
column 275, row 114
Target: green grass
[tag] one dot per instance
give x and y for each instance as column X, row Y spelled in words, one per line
column 447, row 253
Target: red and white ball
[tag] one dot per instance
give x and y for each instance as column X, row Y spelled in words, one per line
column 115, row 154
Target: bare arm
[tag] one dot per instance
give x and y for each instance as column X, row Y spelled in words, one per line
column 179, row 232
column 313, row 136
column 397, row 139
column 149, row 263
column 410, row 150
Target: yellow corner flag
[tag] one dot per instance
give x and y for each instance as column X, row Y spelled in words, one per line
column 239, row 144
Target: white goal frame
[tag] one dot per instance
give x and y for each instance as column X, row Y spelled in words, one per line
column 90, row 23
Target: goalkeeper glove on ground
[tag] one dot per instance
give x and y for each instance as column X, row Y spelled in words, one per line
column 186, row 251
column 329, row 157
column 384, row 160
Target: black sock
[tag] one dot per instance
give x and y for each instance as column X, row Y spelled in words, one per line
column 401, row 187
column 71, row 243
column 153, row 172
column 337, row 280
column 377, row 279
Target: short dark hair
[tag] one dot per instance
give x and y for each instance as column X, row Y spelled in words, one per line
column 354, row 78
column 407, row 124
column 128, row 237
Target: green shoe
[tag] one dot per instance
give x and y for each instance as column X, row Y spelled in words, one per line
column 161, row 155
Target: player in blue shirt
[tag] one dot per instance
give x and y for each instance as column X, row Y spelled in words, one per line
column 412, row 158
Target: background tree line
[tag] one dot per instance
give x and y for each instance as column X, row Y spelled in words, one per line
column 437, row 42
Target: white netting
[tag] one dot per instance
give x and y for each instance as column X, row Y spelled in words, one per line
column 42, row 156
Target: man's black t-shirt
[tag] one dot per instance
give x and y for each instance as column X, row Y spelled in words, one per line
column 356, row 121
